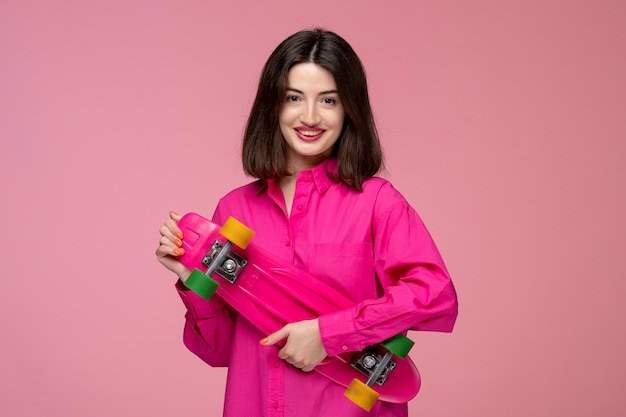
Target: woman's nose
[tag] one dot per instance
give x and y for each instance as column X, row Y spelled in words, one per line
column 310, row 115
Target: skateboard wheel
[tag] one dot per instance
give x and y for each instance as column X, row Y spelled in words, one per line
column 237, row 233
column 201, row 284
column 362, row 395
column 399, row 345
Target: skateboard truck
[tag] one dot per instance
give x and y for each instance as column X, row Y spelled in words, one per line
column 377, row 368
column 225, row 262
column 362, row 394
column 220, row 259
column 371, row 363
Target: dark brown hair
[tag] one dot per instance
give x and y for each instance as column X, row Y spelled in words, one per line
column 357, row 150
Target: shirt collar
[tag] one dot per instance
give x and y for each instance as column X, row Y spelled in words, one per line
column 322, row 175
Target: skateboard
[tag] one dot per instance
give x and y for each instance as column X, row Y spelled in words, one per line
column 271, row 293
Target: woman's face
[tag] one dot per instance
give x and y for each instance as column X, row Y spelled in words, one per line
column 311, row 115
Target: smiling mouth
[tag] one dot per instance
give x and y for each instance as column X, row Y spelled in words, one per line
column 309, row 134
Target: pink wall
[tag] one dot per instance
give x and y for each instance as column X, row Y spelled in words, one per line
column 503, row 124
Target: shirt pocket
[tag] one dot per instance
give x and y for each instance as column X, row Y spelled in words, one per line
column 346, row 266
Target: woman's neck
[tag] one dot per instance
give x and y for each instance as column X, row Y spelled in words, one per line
column 288, row 187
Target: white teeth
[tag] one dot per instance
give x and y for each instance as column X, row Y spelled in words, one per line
column 309, row 132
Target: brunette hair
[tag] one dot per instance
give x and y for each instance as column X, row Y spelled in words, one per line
column 357, row 150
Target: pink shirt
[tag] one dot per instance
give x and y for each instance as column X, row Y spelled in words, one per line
column 371, row 244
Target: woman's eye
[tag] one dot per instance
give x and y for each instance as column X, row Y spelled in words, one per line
column 329, row 100
column 292, row 99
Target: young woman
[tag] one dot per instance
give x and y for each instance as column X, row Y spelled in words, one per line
column 312, row 144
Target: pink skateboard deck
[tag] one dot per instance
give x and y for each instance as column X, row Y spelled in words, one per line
column 271, row 293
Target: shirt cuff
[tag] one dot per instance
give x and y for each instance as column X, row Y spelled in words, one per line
column 338, row 333
column 197, row 306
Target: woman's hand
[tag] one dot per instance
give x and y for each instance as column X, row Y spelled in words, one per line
column 303, row 348
column 170, row 247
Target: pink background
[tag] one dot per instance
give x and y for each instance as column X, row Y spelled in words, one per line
column 503, row 124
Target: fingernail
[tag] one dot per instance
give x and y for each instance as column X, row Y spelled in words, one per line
column 179, row 251
column 178, row 242
column 263, row 341
column 179, row 235
column 173, row 213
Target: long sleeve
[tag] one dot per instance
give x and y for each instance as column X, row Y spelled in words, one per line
column 418, row 293
column 209, row 325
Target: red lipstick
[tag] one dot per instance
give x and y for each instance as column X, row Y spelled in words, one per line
column 308, row 133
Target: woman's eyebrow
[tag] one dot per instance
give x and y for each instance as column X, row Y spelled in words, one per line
column 321, row 93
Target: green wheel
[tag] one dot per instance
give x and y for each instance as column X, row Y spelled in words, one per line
column 201, row 284
column 399, row 345
column 237, row 233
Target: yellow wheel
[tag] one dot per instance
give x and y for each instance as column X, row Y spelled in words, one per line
column 362, row 395
column 236, row 232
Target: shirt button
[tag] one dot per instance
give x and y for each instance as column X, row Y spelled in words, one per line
column 300, row 208
column 344, row 347
column 288, row 243
column 277, row 364
column 275, row 404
